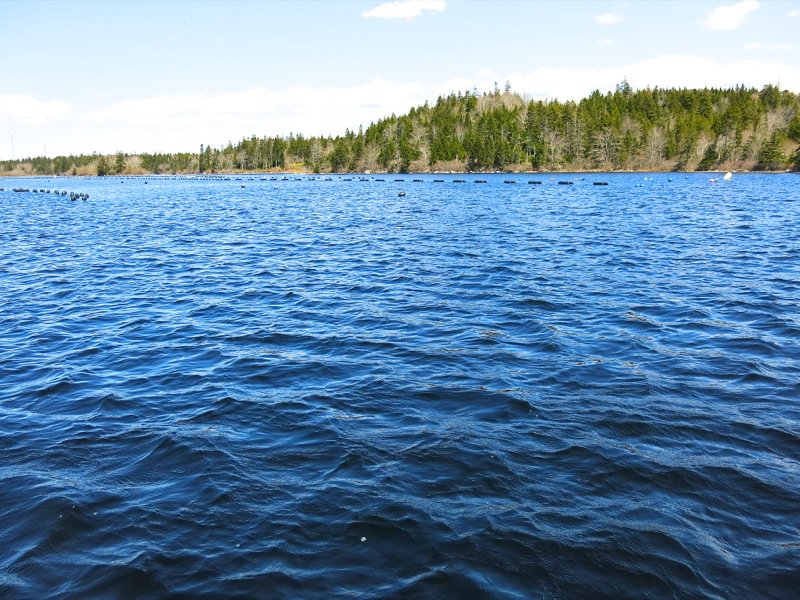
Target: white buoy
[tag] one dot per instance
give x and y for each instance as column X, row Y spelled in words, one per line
column 728, row 176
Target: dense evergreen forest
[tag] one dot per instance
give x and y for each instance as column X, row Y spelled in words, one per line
column 653, row 129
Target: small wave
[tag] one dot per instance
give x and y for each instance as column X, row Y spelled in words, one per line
column 215, row 391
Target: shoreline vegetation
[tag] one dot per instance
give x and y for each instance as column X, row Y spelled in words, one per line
column 651, row 130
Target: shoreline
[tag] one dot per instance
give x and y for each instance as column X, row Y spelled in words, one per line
column 385, row 173
column 189, row 174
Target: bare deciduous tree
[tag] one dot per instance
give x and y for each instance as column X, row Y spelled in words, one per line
column 604, row 148
column 654, row 147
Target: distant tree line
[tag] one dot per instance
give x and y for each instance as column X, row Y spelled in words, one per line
column 651, row 129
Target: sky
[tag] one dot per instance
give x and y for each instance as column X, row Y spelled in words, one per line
column 168, row 76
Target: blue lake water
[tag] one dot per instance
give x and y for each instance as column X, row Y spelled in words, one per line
column 312, row 388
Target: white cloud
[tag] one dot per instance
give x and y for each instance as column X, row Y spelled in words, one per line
column 183, row 121
column 404, row 9
column 604, row 42
column 31, row 111
column 730, row 16
column 671, row 71
column 794, row 14
column 760, row 46
column 173, row 123
column 607, row 19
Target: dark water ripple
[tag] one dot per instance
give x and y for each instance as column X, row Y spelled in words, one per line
column 253, row 388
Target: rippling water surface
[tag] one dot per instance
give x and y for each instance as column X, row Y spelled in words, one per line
column 311, row 388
